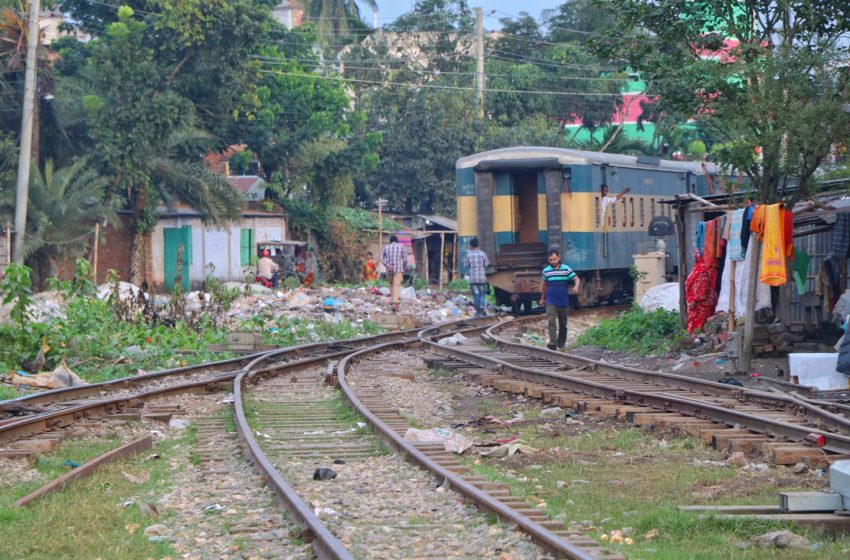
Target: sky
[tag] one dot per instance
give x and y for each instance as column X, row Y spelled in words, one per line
column 389, row 10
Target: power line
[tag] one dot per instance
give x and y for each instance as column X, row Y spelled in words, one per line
column 432, row 86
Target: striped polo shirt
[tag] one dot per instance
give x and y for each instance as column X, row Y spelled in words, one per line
column 557, row 285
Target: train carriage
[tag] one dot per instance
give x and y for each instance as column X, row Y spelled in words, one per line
column 521, row 201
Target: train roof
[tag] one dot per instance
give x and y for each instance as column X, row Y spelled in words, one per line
column 542, row 157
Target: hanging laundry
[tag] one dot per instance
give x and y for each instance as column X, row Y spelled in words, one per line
column 700, row 295
column 788, row 232
column 742, row 275
column 840, row 235
column 699, row 243
column 767, row 224
column 801, row 271
column 734, row 247
column 745, row 225
column 710, row 253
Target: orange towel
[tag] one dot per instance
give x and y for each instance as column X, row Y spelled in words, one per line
column 773, row 250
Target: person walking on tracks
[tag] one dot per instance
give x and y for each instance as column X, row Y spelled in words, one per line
column 555, row 295
column 394, row 258
column 476, row 262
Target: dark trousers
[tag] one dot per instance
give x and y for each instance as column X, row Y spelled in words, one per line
column 557, row 315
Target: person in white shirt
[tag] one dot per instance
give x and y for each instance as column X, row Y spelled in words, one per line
column 606, row 201
column 268, row 269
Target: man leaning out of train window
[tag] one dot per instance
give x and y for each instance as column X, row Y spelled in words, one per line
column 608, row 200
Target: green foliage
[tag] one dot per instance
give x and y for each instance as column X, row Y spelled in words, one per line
column 637, row 331
column 458, row 285
column 636, row 274
column 16, row 287
column 780, row 89
column 697, row 149
column 240, row 163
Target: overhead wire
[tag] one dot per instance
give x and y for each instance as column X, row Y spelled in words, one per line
column 442, row 87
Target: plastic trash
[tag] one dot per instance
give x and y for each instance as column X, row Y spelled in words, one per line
column 407, row 293
column 323, row 473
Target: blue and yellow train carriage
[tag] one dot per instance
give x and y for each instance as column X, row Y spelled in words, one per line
column 521, row 201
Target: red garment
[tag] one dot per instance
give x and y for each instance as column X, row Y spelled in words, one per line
column 700, row 295
column 370, row 271
column 788, row 232
column 710, row 254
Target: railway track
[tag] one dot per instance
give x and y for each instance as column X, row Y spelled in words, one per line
column 786, row 417
column 291, row 421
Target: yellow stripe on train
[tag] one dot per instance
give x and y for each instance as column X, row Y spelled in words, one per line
column 580, row 212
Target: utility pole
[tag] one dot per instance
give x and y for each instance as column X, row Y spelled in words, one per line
column 25, row 156
column 479, row 56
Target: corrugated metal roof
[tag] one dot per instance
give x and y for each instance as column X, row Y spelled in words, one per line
column 442, row 221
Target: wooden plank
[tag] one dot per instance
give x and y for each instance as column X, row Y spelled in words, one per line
column 792, row 455
column 88, row 468
column 693, row 430
column 707, row 435
column 720, row 441
column 824, row 461
column 648, row 418
column 747, row 445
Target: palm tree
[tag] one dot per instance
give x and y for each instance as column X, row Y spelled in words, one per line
column 335, row 19
column 64, row 206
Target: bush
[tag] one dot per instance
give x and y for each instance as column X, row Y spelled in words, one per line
column 458, row 285
column 636, row 330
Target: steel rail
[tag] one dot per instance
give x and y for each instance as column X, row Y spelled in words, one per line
column 662, row 401
column 324, row 543
column 540, row 534
column 236, row 364
column 817, row 411
column 31, row 425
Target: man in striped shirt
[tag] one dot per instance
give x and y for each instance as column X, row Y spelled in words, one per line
column 555, row 295
column 476, row 263
column 394, row 257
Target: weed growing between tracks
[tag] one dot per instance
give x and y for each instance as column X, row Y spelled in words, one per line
column 638, row 331
column 598, row 476
column 86, row 519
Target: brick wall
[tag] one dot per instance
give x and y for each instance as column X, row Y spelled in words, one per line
column 113, row 252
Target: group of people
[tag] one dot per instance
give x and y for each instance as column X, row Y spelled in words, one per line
column 555, row 282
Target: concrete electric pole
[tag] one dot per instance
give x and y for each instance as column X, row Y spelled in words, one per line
column 25, row 156
column 479, row 57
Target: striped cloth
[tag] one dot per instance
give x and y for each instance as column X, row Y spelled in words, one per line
column 476, row 262
column 394, row 258
column 557, row 284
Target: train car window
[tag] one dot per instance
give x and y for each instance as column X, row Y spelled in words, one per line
column 625, row 212
column 652, row 207
column 613, row 214
column 632, row 202
column 596, row 203
column 642, row 212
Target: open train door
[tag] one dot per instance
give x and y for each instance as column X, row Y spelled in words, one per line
column 484, row 186
column 553, row 179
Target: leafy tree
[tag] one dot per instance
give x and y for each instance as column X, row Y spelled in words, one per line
column 779, row 84
column 304, row 132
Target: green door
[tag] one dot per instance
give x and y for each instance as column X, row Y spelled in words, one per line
column 174, row 239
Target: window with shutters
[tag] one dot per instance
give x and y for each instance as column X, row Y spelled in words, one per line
column 246, row 246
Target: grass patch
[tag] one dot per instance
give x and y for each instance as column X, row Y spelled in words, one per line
column 636, row 330
column 614, row 478
column 86, row 520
